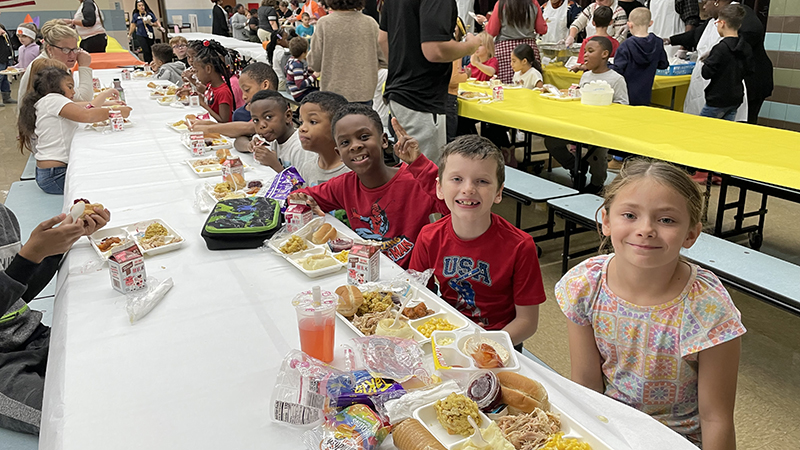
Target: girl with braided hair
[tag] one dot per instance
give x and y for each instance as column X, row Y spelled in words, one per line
column 208, row 62
column 230, row 59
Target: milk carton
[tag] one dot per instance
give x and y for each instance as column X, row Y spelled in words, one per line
column 196, row 142
column 126, row 267
column 364, row 264
column 297, row 215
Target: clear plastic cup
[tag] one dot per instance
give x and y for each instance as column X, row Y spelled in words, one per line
column 316, row 321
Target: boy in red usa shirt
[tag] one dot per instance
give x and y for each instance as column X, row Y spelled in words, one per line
column 387, row 204
column 486, row 268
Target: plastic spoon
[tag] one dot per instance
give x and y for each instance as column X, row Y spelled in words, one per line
column 402, row 307
column 477, row 437
column 475, row 343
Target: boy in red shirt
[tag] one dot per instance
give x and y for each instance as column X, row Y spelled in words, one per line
column 388, row 204
column 486, row 268
column 601, row 20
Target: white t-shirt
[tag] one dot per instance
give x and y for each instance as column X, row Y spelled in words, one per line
column 314, row 175
column 528, row 79
column 291, row 152
column 54, row 133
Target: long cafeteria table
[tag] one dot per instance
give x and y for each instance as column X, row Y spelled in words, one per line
column 248, row 49
column 197, row 372
column 758, row 153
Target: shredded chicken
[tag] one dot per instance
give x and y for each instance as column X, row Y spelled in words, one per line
column 529, row 431
column 368, row 322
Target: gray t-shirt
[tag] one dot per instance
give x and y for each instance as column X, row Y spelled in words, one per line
column 291, row 152
column 614, row 79
column 314, row 175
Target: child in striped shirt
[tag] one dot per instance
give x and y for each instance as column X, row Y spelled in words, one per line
column 300, row 80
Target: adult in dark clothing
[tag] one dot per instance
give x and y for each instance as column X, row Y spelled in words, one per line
column 88, row 22
column 219, row 19
column 417, row 38
column 268, row 25
column 371, row 9
column 759, row 83
column 142, row 20
column 24, row 341
column 6, row 59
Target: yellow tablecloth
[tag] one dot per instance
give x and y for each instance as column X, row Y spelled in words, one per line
column 559, row 76
column 759, row 153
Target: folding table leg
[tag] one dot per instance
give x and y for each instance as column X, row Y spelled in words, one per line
column 518, row 221
column 568, row 224
column 723, row 194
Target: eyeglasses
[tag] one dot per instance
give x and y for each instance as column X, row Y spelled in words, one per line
column 67, row 51
column 179, row 46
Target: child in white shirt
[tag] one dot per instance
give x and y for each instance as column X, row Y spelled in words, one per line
column 49, row 117
column 527, row 70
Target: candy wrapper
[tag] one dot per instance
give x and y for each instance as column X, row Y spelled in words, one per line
column 366, row 386
column 140, row 303
column 356, row 427
column 286, row 182
column 391, row 357
column 307, row 390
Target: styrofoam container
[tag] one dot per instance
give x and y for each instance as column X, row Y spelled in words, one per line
column 180, row 129
column 228, row 143
column 426, row 415
column 294, row 259
column 456, row 319
column 454, row 353
column 135, row 231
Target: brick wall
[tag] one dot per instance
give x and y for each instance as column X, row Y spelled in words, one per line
column 782, row 42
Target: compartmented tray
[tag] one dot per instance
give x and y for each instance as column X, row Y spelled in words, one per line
column 473, row 96
column 135, row 232
column 106, row 125
column 209, row 189
column 220, row 143
column 449, row 350
column 432, row 303
column 210, row 169
column 296, row 258
column 426, row 415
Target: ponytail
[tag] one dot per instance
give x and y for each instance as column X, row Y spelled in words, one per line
column 224, row 62
column 47, row 81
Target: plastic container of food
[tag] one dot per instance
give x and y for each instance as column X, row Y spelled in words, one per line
column 136, row 232
column 451, row 351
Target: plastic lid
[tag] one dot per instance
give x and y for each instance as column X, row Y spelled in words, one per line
column 315, row 300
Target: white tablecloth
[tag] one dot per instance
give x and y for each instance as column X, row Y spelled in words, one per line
column 247, row 49
column 197, row 372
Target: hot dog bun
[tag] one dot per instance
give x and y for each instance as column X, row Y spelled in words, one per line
column 522, row 394
column 325, row 233
column 411, row 435
column 82, row 208
column 350, row 298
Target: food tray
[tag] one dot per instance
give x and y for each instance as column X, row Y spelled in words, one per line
column 208, row 170
column 454, row 354
column 224, row 143
column 167, row 100
column 478, row 96
column 141, row 75
column 135, row 232
column 433, row 303
column 180, row 128
column 312, row 249
column 161, row 84
column 426, row 415
column 106, row 125
column 12, row 71
column 550, row 96
column 208, row 190
column 480, row 84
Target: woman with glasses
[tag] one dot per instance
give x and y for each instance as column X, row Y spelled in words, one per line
column 142, row 21
column 88, row 22
column 60, row 42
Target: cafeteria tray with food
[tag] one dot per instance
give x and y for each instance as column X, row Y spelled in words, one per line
column 208, row 166
column 153, row 237
column 307, row 249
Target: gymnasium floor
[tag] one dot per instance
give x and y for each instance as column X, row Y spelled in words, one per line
column 768, row 402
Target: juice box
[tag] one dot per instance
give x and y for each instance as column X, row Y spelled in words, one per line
column 126, row 267
column 364, row 264
column 297, row 215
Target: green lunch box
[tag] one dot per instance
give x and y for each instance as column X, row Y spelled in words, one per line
column 241, row 223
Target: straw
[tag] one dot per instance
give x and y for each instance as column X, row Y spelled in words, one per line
column 316, row 292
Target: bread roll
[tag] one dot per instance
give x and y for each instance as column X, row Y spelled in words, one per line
column 81, row 209
column 350, row 298
column 522, row 394
column 325, row 233
column 208, row 135
column 411, row 435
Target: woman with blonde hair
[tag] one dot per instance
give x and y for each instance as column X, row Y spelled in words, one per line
column 60, row 42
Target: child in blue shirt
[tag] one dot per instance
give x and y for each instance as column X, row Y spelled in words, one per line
column 639, row 56
column 304, row 29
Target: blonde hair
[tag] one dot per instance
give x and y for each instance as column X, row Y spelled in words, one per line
column 666, row 174
column 40, row 63
column 640, row 17
column 487, row 41
column 55, row 30
column 29, row 25
column 178, row 40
